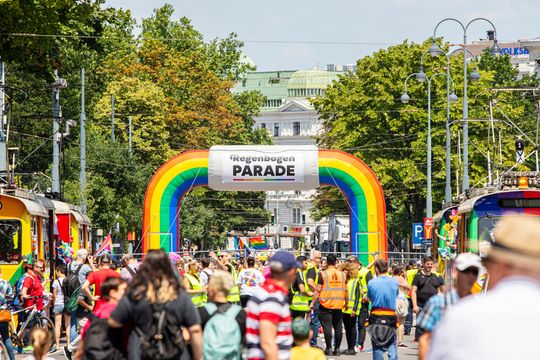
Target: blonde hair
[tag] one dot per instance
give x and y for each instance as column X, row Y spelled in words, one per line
column 41, row 340
column 221, row 281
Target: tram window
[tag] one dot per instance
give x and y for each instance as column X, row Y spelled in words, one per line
column 485, row 228
column 10, row 241
column 519, row 203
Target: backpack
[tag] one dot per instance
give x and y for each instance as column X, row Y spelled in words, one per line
column 220, row 339
column 71, row 287
column 102, row 342
column 163, row 340
column 17, row 301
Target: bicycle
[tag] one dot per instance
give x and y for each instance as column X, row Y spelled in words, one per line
column 36, row 319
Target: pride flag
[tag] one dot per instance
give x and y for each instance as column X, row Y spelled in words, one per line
column 106, row 246
column 258, row 243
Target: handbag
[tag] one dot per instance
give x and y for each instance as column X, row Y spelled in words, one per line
column 5, row 315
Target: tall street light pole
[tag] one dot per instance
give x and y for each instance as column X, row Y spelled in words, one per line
column 57, row 114
column 436, row 50
column 451, row 98
column 405, row 99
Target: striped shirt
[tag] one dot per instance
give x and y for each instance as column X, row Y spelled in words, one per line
column 269, row 302
column 6, row 291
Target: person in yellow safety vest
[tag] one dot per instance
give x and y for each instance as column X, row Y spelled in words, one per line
column 224, row 264
column 302, row 295
column 332, row 297
column 411, row 273
column 352, row 307
column 364, row 276
column 312, row 277
column 193, row 284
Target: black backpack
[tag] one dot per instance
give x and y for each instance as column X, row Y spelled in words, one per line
column 163, row 340
column 102, row 342
column 71, row 282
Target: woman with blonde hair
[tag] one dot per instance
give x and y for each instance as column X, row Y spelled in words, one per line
column 41, row 341
column 402, row 304
column 352, row 306
column 193, row 284
column 156, row 287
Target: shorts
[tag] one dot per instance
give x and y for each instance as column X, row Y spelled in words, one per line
column 58, row 309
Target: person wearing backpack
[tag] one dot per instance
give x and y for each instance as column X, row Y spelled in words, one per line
column 6, row 292
column 130, row 267
column 221, row 339
column 157, row 307
column 76, row 273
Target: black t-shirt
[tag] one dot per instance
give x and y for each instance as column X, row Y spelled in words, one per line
column 427, row 286
column 297, row 281
column 139, row 313
column 312, row 274
column 240, row 318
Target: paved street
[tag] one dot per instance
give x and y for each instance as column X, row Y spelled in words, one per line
column 404, row 354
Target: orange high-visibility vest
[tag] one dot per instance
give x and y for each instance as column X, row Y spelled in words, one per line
column 334, row 291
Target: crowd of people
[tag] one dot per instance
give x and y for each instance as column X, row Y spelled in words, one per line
column 221, row 307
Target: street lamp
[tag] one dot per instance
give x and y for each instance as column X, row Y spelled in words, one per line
column 450, row 98
column 494, row 50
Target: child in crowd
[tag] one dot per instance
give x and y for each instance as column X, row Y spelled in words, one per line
column 112, row 290
column 302, row 350
column 40, row 340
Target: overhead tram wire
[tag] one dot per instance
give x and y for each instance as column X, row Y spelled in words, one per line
column 247, row 41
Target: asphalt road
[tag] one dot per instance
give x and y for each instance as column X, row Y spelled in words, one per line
column 409, row 353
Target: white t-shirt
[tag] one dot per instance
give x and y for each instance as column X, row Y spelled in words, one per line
column 205, row 276
column 476, row 327
column 249, row 280
column 57, row 284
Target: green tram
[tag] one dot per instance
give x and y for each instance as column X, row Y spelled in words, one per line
column 468, row 226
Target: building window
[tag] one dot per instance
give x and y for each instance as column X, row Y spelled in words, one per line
column 304, row 219
column 244, row 83
column 276, row 129
column 263, row 126
column 296, row 128
column 296, row 216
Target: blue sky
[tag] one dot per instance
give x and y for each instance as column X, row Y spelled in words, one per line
column 364, row 26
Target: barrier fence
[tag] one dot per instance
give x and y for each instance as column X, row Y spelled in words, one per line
column 393, row 257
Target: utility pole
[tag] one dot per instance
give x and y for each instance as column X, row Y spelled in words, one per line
column 3, row 147
column 57, row 114
column 82, row 175
column 112, row 118
column 130, row 134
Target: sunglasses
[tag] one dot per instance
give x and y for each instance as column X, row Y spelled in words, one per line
column 471, row 271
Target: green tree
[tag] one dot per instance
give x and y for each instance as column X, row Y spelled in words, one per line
column 362, row 114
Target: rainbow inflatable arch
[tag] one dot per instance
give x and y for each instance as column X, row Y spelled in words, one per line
column 344, row 171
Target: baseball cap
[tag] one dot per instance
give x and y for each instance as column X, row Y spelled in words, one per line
column 283, row 261
column 300, row 327
column 466, row 260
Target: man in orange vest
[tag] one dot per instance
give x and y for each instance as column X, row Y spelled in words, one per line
column 332, row 295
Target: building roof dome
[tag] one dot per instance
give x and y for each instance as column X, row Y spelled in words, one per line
column 311, row 79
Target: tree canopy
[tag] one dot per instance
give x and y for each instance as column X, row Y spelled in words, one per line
column 173, row 85
column 362, row 114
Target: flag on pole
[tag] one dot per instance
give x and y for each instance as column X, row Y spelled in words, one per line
column 106, row 246
column 258, row 243
column 242, row 245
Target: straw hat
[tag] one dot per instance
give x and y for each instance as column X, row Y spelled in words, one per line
column 517, row 242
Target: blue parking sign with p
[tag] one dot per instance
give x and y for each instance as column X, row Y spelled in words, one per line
column 417, row 235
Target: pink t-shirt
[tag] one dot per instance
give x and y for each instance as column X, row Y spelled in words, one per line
column 103, row 312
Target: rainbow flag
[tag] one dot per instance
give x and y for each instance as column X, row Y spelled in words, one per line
column 258, row 243
column 106, row 246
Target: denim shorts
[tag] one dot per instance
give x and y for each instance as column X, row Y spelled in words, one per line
column 58, row 309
